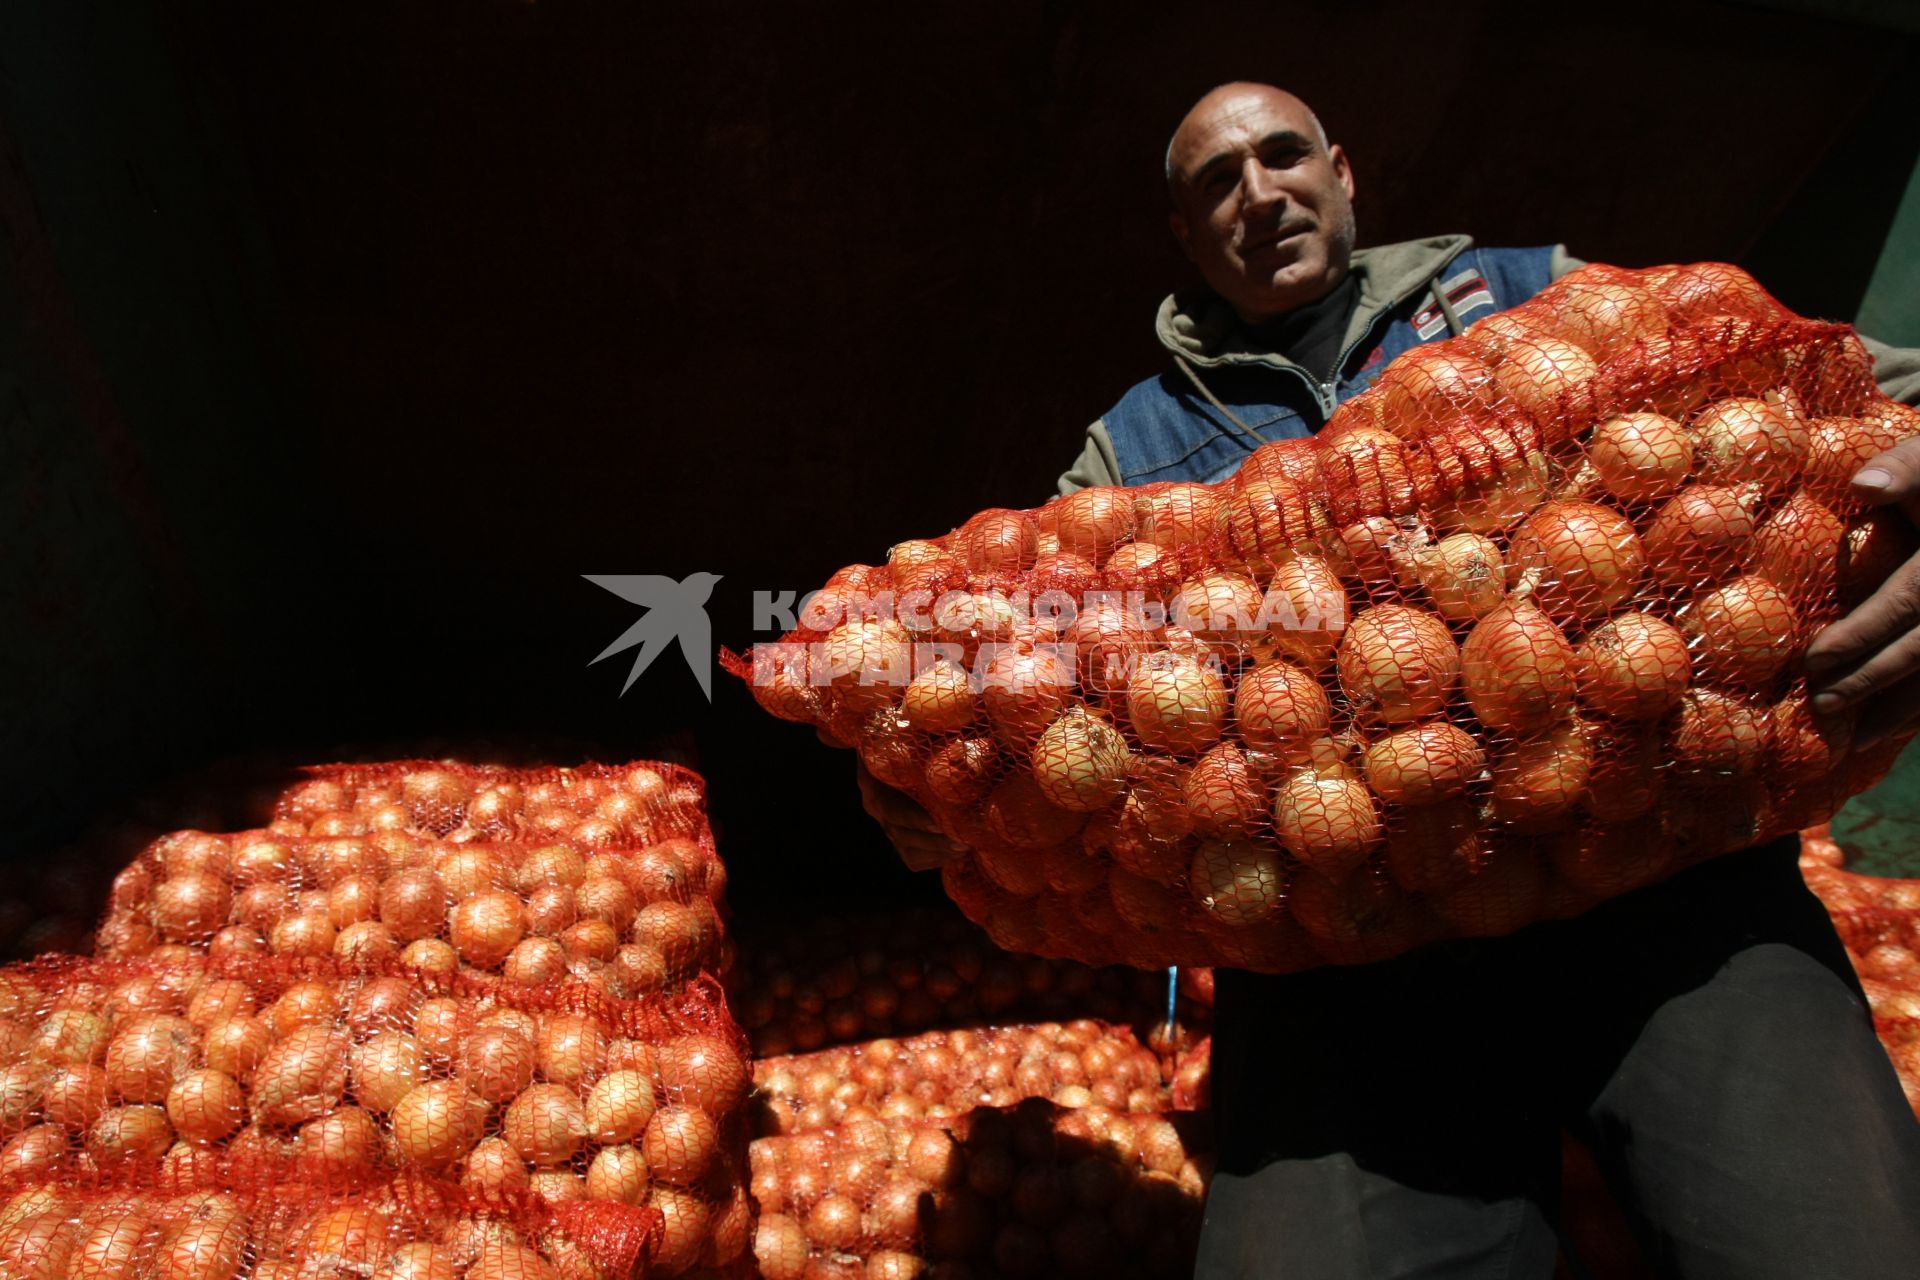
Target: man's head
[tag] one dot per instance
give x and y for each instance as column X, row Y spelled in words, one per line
column 1262, row 205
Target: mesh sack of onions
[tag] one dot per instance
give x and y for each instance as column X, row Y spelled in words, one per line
column 1030, row 1191
column 215, row 1217
column 1520, row 630
column 834, row 979
column 938, row 1075
column 559, row 1090
column 637, row 920
column 1879, row 920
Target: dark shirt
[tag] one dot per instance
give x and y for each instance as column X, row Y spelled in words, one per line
column 1310, row 335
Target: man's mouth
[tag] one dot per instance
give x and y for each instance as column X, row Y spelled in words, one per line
column 1277, row 239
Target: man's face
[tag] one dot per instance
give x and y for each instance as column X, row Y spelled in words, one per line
column 1261, row 206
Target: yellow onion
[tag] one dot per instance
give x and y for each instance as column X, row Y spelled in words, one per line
column 1539, row 779
column 1308, row 610
column 1517, row 667
column 1640, row 457
column 1269, row 520
column 868, row 663
column 1219, row 608
column 1431, row 384
column 1797, row 548
column 1092, row 522
column 999, row 540
column 963, row 770
column 1747, row 438
column 1143, row 567
column 1507, row 892
column 1176, row 704
column 1464, row 576
column 940, row 699
column 1279, row 708
column 1379, row 550
column 1024, row 689
column 1423, row 764
column 1701, row 289
column 1329, row 823
column 1436, row 846
column 1605, row 862
column 1702, row 534
column 1398, row 663
column 1626, row 771
column 1837, row 448
column 1803, row 750
column 1362, row 916
column 1483, row 480
column 1743, row 634
column 1080, row 762
column 1632, row 667
column 1716, row 735
column 1021, row 813
column 1225, row 794
column 1239, row 883
column 1875, row 545
column 1584, row 559
column 1175, row 515
column 1605, row 318
column 1534, row 373
column 1367, row 473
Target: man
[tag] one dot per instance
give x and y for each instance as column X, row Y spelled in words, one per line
column 1705, row 1036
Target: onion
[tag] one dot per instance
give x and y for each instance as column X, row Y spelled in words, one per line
column 1507, row 892
column 437, row 1123
column 1626, row 771
column 940, row 699
column 1605, row 319
column 781, row 1247
column 1702, row 534
column 1328, row 823
column 1379, row 550
column 1804, row 751
column 1092, row 522
column 1837, row 448
column 962, row 772
column 1537, row 780
column 486, row 927
column 1743, row 634
column 1707, row 289
column 1640, row 457
column 1718, row 735
column 1080, row 762
column 1608, row 861
column 1311, row 605
column 1364, row 915
column 1584, row 559
column 1748, row 438
column 1175, row 515
column 1073, row 576
column 1534, row 374
column 999, row 541
column 1430, row 384
column 300, row 1078
column 1025, row 689
column 1632, row 667
column 1225, row 795
column 921, row 566
column 1019, row 812
column 703, row 1071
column 1367, row 473
column 1145, row 904
column 1481, row 479
column 868, row 662
column 1107, row 640
column 1795, row 548
column 1220, row 609
column 1398, row 663
column 1423, row 764
column 1279, row 708
column 1434, row 847
column 1494, row 335
column 1517, row 668
column 1268, row 520
column 1144, row 568
column 1176, row 704
column 1463, row 576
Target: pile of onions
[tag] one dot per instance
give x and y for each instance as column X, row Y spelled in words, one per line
column 1415, row 675
column 496, row 1086
column 1025, row 1192
column 938, row 1075
column 1879, row 921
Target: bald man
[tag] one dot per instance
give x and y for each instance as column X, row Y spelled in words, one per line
column 1706, row 1036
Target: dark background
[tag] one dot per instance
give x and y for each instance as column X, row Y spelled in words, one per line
column 337, row 342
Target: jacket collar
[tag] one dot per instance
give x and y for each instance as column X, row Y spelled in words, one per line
column 1198, row 326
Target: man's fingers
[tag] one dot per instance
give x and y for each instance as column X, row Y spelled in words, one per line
column 1843, row 687
column 1893, row 476
column 1885, row 617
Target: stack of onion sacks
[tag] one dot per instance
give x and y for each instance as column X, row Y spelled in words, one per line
column 145, row 1069
column 1519, row 631
column 1032, row 1191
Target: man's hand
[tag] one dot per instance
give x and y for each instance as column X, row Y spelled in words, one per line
column 915, row 835
column 1870, row 659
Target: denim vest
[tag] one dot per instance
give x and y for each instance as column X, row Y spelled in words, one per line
column 1164, row 429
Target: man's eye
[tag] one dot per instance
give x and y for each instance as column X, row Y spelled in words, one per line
column 1220, row 183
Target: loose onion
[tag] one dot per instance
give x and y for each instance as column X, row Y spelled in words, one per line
column 1632, row 667
column 1176, row 704
column 1640, row 457
column 1397, row 663
column 1423, row 764
column 1584, row 558
column 1517, row 668
column 1328, row 823
column 1744, row 438
column 1464, row 576
column 1744, row 634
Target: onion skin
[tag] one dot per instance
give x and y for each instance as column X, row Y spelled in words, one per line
column 1517, row 668
column 1423, row 764
column 1743, row 634
column 1080, row 762
column 1632, row 667
column 1797, row 549
column 1641, row 457
column 1176, row 704
column 1584, row 558
column 1279, row 708
column 1746, row 438
column 1313, row 609
column 1702, row 534
column 1331, row 824
column 1239, row 883
column 1535, row 373
column 1398, row 664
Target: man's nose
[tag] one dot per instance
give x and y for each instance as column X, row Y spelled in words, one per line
column 1261, row 185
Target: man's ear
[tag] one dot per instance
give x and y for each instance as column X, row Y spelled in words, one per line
column 1341, row 169
column 1177, row 223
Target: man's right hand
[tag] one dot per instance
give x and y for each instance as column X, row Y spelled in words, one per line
column 915, row 835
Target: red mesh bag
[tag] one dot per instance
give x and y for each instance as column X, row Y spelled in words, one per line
column 1879, row 920
column 1033, row 1191
column 938, row 1075
column 556, row 1090
column 638, row 920
column 836, row 979
column 1519, row 631
column 227, row 1219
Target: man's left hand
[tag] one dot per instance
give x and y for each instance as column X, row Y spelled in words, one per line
column 1870, row 659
